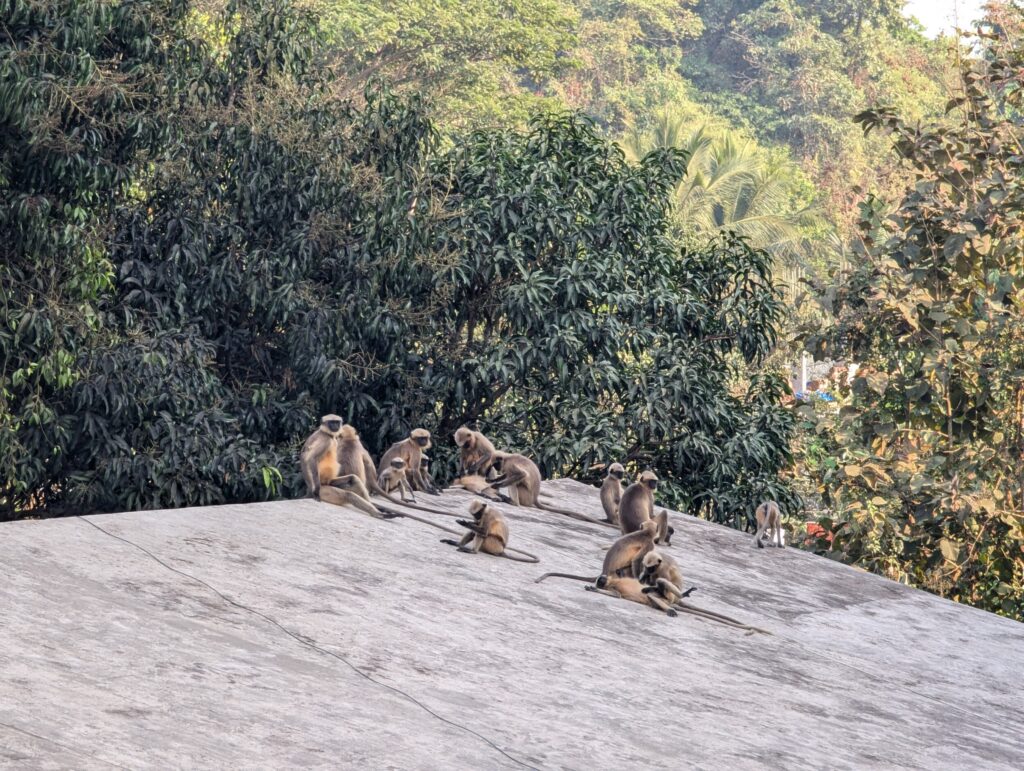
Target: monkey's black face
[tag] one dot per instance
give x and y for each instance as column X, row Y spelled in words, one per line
column 618, row 474
column 467, row 445
column 602, row 582
column 653, row 484
column 334, row 426
column 422, row 441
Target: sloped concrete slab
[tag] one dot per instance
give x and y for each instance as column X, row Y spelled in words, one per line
column 297, row 634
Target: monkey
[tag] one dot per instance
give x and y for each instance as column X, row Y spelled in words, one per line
column 318, row 458
column 425, row 470
column 476, row 452
column 350, row 491
column 394, row 478
column 769, row 522
column 355, row 460
column 637, row 506
column 625, row 555
column 630, row 588
column 477, row 484
column 661, row 575
column 522, row 478
column 411, row 450
column 611, row 492
column 487, row 532
column 626, row 587
column 628, row 552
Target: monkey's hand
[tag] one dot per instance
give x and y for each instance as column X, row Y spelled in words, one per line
column 389, row 514
column 449, row 540
column 469, row 525
column 688, row 592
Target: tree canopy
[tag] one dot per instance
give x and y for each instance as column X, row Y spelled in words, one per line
column 925, row 484
column 276, row 251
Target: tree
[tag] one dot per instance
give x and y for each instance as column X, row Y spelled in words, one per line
column 928, row 487
column 81, row 86
column 733, row 185
column 284, row 253
column 475, row 60
column 579, row 331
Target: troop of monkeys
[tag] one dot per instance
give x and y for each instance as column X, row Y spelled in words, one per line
column 337, row 469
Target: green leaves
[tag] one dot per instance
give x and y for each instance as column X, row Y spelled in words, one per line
column 932, row 317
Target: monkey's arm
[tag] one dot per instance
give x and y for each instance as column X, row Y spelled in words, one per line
column 311, row 474
column 406, row 489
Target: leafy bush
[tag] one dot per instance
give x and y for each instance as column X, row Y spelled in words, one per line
column 928, row 486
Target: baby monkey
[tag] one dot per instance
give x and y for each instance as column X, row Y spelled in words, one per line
column 661, row 575
column 394, row 478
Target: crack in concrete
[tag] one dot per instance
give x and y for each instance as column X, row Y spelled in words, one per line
column 63, row 746
column 302, row 640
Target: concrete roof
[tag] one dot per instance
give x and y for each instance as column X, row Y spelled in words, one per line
column 315, row 636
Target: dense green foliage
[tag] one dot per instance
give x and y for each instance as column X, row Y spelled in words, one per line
column 274, row 252
column 925, row 477
column 81, row 87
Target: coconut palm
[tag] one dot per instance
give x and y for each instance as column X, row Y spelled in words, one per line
column 732, row 184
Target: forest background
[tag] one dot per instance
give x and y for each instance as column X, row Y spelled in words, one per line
column 599, row 230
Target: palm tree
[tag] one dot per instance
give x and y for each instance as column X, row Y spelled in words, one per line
column 732, row 184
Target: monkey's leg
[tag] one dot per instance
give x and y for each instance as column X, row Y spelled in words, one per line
column 609, row 592
column 425, row 483
column 662, row 522
column 660, row 604
column 358, row 503
column 665, row 587
column 759, row 534
column 474, row 547
column 780, row 538
column 637, row 565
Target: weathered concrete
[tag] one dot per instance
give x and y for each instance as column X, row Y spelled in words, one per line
column 108, row 658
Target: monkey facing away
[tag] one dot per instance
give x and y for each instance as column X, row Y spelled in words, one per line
column 394, row 478
column 318, row 459
column 628, row 552
column 476, row 452
column 769, row 523
column 625, row 556
column 488, row 532
column 411, row 450
column 611, row 492
column 522, row 478
column 637, row 506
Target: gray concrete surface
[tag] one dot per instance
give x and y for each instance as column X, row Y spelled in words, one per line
column 394, row 651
